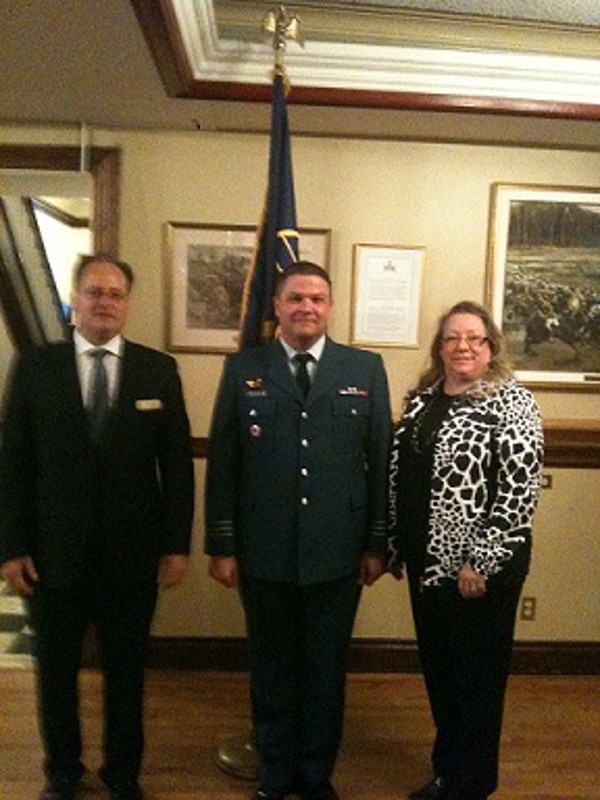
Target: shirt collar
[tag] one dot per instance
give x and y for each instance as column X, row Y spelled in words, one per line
column 114, row 345
column 316, row 350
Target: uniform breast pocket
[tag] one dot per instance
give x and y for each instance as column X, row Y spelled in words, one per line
column 257, row 421
column 351, row 415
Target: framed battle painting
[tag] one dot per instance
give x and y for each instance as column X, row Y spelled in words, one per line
column 207, row 267
column 543, row 282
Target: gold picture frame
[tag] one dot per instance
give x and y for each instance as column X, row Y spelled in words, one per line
column 543, row 282
column 206, row 271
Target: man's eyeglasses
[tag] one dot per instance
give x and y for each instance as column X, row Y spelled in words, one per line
column 96, row 293
column 473, row 341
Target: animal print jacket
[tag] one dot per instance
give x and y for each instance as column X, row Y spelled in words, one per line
column 485, row 482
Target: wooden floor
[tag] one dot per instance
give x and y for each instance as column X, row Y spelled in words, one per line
column 551, row 746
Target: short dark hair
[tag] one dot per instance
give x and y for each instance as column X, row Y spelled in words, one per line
column 101, row 258
column 300, row 268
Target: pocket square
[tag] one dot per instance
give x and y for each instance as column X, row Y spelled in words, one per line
column 149, row 405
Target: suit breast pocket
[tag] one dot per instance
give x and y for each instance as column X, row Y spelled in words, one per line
column 147, row 415
column 350, row 415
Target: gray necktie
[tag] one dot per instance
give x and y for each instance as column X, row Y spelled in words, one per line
column 98, row 394
column 302, row 376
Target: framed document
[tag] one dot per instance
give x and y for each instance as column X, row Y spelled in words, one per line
column 386, row 288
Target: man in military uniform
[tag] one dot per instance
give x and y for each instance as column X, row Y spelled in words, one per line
column 295, row 518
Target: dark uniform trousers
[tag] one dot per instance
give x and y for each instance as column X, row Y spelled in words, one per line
column 299, row 637
column 296, row 490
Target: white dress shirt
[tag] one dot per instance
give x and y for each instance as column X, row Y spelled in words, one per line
column 112, row 364
column 316, row 351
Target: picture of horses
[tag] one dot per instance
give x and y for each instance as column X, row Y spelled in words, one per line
column 551, row 287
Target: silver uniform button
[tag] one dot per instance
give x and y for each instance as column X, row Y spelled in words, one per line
column 304, row 415
column 304, row 472
column 304, row 442
column 304, row 501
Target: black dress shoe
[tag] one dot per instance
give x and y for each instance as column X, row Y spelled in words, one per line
column 319, row 791
column 436, row 789
column 121, row 788
column 59, row 790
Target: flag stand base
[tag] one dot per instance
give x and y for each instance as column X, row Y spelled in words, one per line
column 239, row 757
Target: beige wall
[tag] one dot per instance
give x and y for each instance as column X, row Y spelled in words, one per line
column 6, row 351
column 431, row 195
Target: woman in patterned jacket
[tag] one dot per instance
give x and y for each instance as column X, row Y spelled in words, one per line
column 465, row 479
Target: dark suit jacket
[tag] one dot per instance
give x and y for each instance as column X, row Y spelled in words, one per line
column 132, row 496
column 298, row 490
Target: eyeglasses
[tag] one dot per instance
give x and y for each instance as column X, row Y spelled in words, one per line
column 96, row 293
column 473, row 341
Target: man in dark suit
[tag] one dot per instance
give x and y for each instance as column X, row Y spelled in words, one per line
column 295, row 517
column 96, row 511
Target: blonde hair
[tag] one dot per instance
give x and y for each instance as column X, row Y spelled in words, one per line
column 499, row 368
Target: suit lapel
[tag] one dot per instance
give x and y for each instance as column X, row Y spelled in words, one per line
column 279, row 371
column 125, row 390
column 128, row 386
column 327, row 374
column 126, row 378
column 63, row 382
column 68, row 378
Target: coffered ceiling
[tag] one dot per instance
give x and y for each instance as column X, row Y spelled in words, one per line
column 465, row 70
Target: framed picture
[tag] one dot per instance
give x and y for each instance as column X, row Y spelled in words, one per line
column 543, row 282
column 386, row 288
column 207, row 267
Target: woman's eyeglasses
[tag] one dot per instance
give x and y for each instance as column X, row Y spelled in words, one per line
column 473, row 341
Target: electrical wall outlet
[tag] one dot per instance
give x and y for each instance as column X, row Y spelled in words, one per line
column 528, row 608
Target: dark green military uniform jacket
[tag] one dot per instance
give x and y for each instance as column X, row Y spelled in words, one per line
column 297, row 489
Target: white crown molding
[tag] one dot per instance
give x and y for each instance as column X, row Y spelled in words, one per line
column 385, row 68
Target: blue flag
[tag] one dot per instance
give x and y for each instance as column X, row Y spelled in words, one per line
column 277, row 236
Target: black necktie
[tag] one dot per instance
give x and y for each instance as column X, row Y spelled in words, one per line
column 98, row 394
column 302, row 376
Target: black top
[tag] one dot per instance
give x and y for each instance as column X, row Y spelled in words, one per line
column 416, row 464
